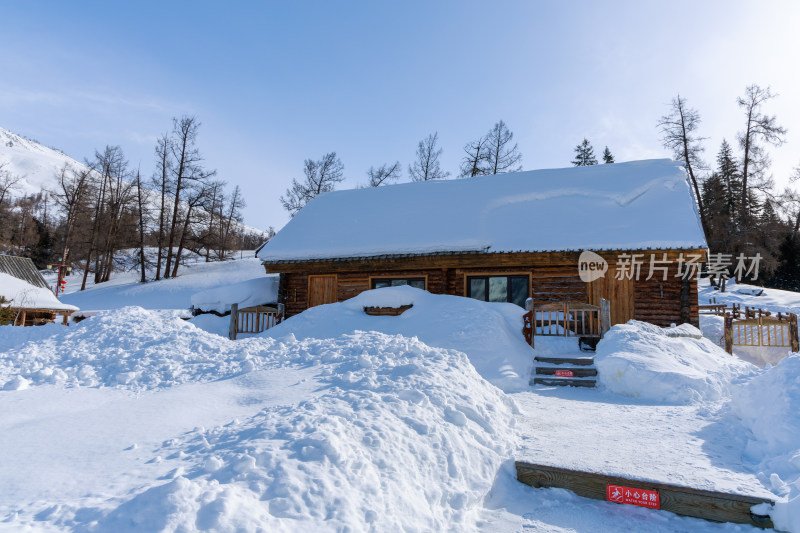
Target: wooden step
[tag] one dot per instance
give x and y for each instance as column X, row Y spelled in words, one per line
column 687, row 501
column 577, row 361
column 564, row 382
column 576, row 372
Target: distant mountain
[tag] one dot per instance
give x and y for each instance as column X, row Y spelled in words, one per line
column 37, row 165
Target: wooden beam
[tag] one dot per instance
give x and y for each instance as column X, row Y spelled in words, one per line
column 686, row 501
column 475, row 260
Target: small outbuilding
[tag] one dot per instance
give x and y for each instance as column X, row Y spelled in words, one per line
column 27, row 294
column 628, row 233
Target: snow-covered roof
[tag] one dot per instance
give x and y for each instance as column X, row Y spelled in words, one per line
column 23, row 295
column 258, row 291
column 624, row 206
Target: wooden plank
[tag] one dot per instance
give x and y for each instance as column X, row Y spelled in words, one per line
column 563, row 382
column 321, row 289
column 686, row 501
column 578, row 361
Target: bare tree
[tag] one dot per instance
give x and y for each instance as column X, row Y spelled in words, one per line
column 426, row 167
column 320, row 177
column 383, row 174
column 678, row 129
column 501, row 156
column 161, row 181
column 759, row 128
column 196, row 195
column 475, row 161
column 142, row 202
column 234, row 208
column 70, row 196
column 187, row 170
column 8, row 182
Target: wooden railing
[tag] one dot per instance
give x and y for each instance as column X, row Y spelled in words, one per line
column 767, row 331
column 566, row 319
column 253, row 319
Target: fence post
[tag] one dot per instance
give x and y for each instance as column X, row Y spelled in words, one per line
column 605, row 316
column 528, row 322
column 793, row 338
column 281, row 310
column 729, row 333
column 234, row 324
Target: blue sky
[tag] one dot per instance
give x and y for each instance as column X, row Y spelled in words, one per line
column 275, row 83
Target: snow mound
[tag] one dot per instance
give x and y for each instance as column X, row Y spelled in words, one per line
column 489, row 333
column 645, row 361
column 259, row 291
column 777, row 428
column 130, row 347
column 769, row 406
column 406, row 437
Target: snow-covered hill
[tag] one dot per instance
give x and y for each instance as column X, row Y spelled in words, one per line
column 36, row 164
column 39, row 166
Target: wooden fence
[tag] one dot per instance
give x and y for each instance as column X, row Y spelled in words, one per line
column 566, row 319
column 753, row 326
column 766, row 331
column 253, row 319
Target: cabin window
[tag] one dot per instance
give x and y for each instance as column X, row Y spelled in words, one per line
column 417, row 283
column 514, row 289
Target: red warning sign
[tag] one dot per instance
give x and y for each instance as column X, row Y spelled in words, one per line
column 632, row 496
column 565, row 373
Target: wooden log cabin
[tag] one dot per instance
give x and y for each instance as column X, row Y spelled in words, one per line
column 503, row 238
column 27, row 294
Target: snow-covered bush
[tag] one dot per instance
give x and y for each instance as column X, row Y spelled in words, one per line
column 671, row 365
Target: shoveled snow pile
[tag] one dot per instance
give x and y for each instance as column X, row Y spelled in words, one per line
column 130, row 347
column 668, row 365
column 393, row 434
column 406, row 437
column 489, row 333
column 769, row 406
column 259, row 291
column 20, row 293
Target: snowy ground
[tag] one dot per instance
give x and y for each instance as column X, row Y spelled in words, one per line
column 194, row 276
column 135, row 420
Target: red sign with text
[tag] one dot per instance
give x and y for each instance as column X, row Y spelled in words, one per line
column 565, row 373
column 629, row 495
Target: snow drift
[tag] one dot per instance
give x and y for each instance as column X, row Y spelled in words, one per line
column 489, row 333
column 769, row 406
column 406, row 437
column 673, row 365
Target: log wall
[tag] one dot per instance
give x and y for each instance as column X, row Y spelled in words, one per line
column 655, row 301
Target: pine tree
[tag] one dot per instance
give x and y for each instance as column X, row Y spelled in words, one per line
column 731, row 178
column 607, row 157
column 584, row 154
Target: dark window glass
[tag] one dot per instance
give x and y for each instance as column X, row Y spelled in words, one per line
column 498, row 289
column 418, row 283
column 477, row 288
column 512, row 289
column 519, row 290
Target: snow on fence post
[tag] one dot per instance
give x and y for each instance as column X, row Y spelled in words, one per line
column 281, row 310
column 234, row 324
column 728, row 333
column 528, row 322
column 605, row 316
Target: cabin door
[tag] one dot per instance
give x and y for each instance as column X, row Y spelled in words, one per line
column 321, row 290
column 619, row 293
